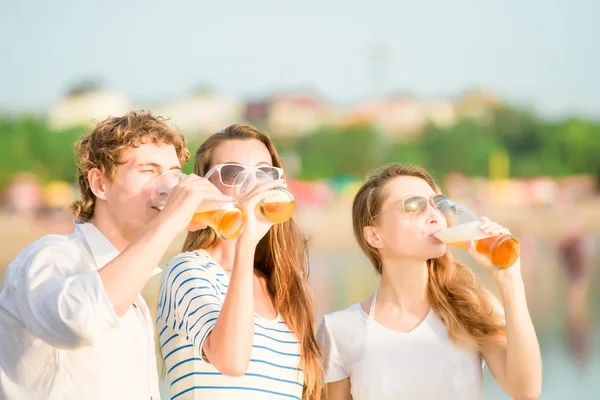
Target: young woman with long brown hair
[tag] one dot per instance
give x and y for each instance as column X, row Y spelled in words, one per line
column 426, row 331
column 236, row 316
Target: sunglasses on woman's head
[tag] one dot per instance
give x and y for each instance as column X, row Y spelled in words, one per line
column 415, row 206
column 228, row 172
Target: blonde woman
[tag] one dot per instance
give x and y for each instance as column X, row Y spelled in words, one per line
column 235, row 316
column 429, row 326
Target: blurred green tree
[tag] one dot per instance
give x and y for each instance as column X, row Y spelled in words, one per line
column 535, row 147
column 329, row 152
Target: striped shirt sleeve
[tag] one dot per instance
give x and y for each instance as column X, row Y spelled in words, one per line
column 190, row 299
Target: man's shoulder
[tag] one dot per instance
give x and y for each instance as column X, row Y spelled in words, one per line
column 54, row 254
column 66, row 244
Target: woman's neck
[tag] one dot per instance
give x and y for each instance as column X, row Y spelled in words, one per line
column 224, row 254
column 404, row 283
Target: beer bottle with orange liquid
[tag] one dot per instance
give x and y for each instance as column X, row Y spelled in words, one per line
column 277, row 208
column 463, row 225
column 226, row 219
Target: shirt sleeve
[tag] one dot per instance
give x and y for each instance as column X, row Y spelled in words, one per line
column 332, row 361
column 59, row 304
column 190, row 300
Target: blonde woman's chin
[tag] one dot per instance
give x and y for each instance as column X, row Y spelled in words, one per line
column 438, row 248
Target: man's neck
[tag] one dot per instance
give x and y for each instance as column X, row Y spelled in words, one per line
column 110, row 231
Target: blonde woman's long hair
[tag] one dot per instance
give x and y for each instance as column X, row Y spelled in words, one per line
column 281, row 257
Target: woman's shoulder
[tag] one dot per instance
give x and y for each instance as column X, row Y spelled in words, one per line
column 198, row 261
column 342, row 319
column 340, row 331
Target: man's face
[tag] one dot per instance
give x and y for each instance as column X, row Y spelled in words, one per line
column 128, row 195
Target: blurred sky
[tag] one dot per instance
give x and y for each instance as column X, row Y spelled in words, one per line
column 541, row 54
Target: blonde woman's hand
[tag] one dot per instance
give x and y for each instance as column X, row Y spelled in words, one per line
column 256, row 225
column 492, row 228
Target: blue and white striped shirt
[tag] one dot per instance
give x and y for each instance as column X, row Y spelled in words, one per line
column 191, row 296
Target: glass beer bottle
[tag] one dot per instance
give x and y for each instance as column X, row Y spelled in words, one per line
column 277, row 208
column 463, row 225
column 226, row 219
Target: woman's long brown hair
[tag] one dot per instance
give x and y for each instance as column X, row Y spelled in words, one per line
column 454, row 291
column 281, row 257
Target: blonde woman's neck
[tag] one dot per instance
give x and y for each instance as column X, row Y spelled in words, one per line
column 404, row 283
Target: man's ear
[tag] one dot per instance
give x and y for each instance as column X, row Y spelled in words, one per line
column 97, row 182
column 372, row 237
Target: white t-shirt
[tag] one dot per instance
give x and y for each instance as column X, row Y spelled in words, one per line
column 193, row 290
column 385, row 364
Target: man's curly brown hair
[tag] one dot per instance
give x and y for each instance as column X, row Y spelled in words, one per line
column 103, row 147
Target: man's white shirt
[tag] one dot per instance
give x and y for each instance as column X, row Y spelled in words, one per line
column 60, row 338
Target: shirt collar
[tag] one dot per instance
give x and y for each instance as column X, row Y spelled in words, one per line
column 101, row 248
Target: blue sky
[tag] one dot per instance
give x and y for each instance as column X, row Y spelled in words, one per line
column 540, row 54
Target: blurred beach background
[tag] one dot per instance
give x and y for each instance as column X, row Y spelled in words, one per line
column 498, row 100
